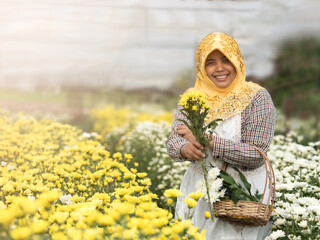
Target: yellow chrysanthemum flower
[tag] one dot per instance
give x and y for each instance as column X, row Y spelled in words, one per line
column 145, row 181
column 75, row 234
column 190, row 202
column 20, row 233
column 59, row 236
column 117, row 155
column 39, row 226
column 172, row 193
column 106, row 220
column 129, row 234
column 169, row 201
column 128, row 156
column 46, row 199
column 23, row 206
column 196, row 195
column 92, row 234
column 160, row 222
column 141, row 174
column 6, row 217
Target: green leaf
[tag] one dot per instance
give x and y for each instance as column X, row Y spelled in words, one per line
column 185, row 123
column 214, row 123
column 234, row 186
column 257, row 195
column 236, row 196
column 244, row 180
column 185, row 113
column 227, row 178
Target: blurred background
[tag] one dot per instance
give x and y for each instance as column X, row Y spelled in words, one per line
column 65, row 59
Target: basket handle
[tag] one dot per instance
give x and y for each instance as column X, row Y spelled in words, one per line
column 269, row 169
column 272, row 181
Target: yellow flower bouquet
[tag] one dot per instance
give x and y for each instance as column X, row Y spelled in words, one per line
column 195, row 109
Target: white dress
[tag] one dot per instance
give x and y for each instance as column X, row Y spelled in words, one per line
column 221, row 230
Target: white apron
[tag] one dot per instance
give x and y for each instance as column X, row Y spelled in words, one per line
column 221, row 230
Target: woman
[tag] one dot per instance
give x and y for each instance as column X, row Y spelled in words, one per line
column 249, row 119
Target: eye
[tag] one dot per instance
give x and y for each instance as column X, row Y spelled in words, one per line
column 226, row 60
column 210, row 62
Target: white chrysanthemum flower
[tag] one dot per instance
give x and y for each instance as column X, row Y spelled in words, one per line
column 299, row 210
column 315, row 209
column 280, row 221
column 86, row 135
column 94, row 134
column 216, row 185
column 33, row 198
column 214, row 196
column 3, row 163
column 213, row 173
column 215, row 191
column 303, row 224
column 66, row 199
column 279, row 194
column 275, row 235
column 222, row 192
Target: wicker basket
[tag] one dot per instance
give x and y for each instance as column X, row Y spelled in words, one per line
column 249, row 212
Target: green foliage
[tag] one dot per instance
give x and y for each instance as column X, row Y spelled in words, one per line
column 237, row 192
column 297, row 71
column 295, row 86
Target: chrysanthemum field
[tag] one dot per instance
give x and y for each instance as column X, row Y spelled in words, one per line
column 58, row 182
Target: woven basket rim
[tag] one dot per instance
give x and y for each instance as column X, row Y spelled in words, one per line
column 241, row 201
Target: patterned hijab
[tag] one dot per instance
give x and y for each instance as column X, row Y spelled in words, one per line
column 229, row 101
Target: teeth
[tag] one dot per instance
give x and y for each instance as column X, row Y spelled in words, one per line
column 220, row 77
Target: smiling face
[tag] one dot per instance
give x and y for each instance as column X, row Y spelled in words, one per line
column 219, row 69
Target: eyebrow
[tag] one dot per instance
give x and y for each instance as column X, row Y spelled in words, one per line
column 210, row 59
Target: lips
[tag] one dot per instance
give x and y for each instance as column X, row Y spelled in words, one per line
column 221, row 77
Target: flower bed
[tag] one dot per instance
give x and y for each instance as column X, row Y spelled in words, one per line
column 60, row 183
column 297, row 209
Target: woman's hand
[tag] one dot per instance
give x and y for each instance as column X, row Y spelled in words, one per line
column 192, row 150
column 185, row 132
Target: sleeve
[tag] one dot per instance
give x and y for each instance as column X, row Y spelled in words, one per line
column 175, row 142
column 259, row 122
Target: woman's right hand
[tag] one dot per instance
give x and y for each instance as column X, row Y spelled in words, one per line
column 192, row 150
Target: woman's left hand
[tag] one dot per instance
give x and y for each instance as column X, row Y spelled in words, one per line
column 185, row 132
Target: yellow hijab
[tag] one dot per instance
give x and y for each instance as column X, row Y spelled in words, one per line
column 224, row 102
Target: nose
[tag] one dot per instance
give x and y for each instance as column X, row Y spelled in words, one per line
column 219, row 66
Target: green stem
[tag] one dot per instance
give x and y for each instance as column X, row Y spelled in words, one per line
column 188, row 213
column 207, row 187
column 203, row 225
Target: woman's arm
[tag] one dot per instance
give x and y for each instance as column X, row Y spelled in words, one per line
column 259, row 120
column 175, row 142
